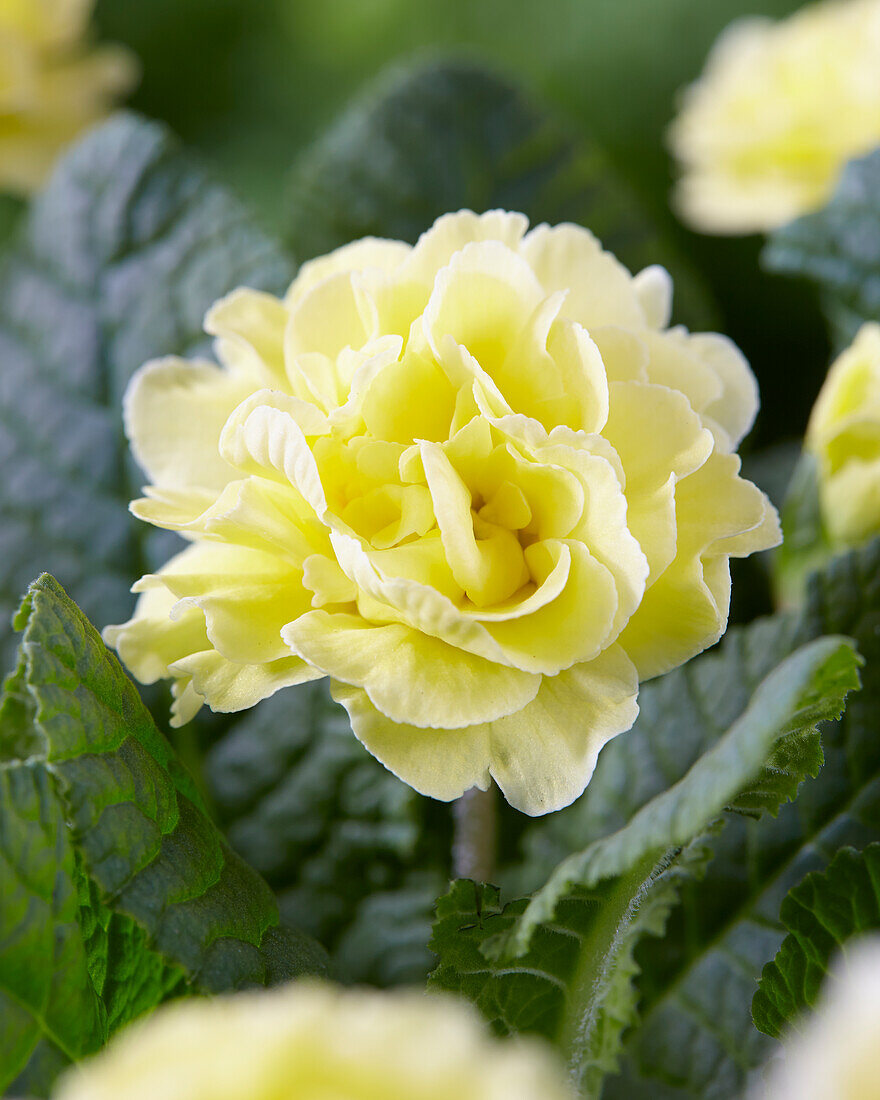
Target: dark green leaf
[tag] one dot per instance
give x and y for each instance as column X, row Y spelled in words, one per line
column 116, row 263
column 822, row 914
column 560, row 963
column 50, row 1012
column 333, row 832
column 447, row 135
column 116, row 886
column 839, row 248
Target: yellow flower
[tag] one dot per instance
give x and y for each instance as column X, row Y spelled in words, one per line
column 51, row 85
column 834, row 1056
column 478, row 483
column 311, row 1042
column 844, row 434
column 781, row 107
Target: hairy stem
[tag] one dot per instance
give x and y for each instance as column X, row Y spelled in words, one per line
column 475, row 836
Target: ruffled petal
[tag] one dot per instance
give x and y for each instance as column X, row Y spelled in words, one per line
column 452, row 232
column 410, row 677
column 246, row 596
column 442, row 764
column 599, row 289
column 369, row 253
column 250, row 325
column 544, row 755
column 227, row 687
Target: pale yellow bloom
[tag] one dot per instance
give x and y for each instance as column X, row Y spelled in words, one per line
column 52, row 84
column 835, row 1054
column 844, row 434
column 307, row 1041
column 780, row 108
column 478, row 483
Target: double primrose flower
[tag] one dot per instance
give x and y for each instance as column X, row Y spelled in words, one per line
column 476, row 482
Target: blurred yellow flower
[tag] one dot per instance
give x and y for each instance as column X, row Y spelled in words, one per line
column 780, row 108
column 478, row 483
column 834, row 1056
column 52, row 85
column 314, row 1042
column 844, row 434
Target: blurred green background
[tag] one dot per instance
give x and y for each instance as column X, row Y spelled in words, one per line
column 250, row 83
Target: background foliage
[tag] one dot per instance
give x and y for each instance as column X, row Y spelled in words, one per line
column 252, row 84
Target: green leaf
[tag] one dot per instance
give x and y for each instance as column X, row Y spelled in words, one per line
column 116, row 263
column 839, row 248
column 696, row 1038
column 560, row 963
column 116, row 886
column 822, row 914
column 333, row 832
column 50, row 1013
column 449, row 134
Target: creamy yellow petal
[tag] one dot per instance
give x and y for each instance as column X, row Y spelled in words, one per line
column 653, row 287
column 544, row 755
column 679, row 617
column 408, row 676
column 442, row 764
column 480, row 300
column 366, row 254
column 151, row 640
column 333, row 314
column 226, row 686
column 655, row 432
column 246, row 595
column 452, row 232
column 489, row 569
column 572, row 628
column 673, row 362
column 737, row 406
column 252, row 324
column 174, row 413
column 254, row 512
column 851, row 501
column 599, row 289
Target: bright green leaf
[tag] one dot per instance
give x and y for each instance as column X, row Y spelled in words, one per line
column 116, row 886
column 822, row 914
column 560, row 963
column 696, row 1038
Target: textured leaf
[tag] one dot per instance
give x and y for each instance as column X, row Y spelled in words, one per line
column 560, row 963
column 822, row 914
column 447, row 135
column 696, row 1038
column 333, row 832
column 116, row 263
column 50, row 1012
column 115, row 884
column 839, row 248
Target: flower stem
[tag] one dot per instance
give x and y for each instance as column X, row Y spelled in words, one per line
column 475, row 835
